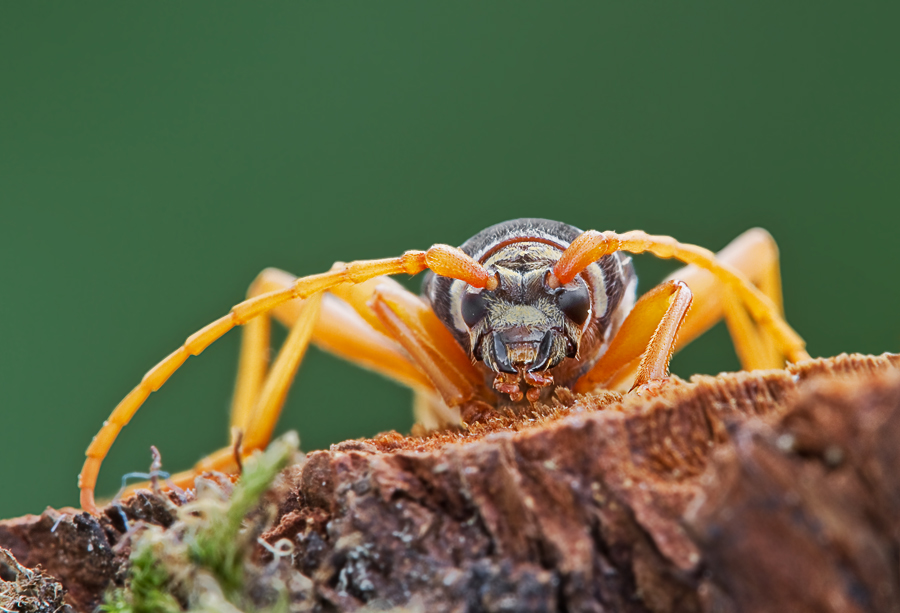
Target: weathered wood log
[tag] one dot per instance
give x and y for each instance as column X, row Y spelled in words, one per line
column 763, row 491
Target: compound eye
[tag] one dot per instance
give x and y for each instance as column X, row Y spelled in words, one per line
column 575, row 304
column 474, row 308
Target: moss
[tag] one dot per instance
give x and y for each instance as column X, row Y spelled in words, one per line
column 220, row 545
column 201, row 561
column 147, row 590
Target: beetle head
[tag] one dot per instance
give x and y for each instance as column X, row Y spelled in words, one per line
column 524, row 324
column 530, row 335
column 524, row 328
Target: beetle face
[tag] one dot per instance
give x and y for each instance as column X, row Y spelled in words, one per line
column 529, row 336
column 524, row 325
column 524, row 328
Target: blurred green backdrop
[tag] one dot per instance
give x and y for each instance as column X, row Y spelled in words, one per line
column 155, row 157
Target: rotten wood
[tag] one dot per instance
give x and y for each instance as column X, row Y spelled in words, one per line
column 762, row 491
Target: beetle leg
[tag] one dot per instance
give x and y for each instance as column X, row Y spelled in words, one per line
column 259, row 424
column 444, row 377
column 752, row 345
column 648, row 333
column 431, row 412
column 431, row 345
column 755, row 254
column 655, row 361
column 346, row 327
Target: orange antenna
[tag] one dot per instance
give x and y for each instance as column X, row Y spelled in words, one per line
column 443, row 259
column 452, row 262
column 584, row 250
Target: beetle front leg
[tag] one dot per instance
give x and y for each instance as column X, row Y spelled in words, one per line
column 649, row 333
column 413, row 324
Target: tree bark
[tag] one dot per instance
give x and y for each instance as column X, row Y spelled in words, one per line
column 762, row 491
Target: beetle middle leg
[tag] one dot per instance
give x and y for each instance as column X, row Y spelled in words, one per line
column 340, row 329
column 378, row 325
column 755, row 254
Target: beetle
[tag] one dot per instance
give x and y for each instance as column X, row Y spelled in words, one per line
column 520, row 309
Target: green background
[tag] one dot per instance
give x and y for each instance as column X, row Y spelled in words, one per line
column 155, row 157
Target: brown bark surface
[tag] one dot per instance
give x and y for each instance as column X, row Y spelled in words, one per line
column 763, row 491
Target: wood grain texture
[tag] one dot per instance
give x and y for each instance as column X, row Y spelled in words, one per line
column 763, row 491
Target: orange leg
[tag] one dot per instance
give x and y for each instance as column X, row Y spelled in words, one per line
column 655, row 361
column 426, row 339
column 423, row 355
column 260, row 422
column 755, row 254
column 340, row 329
column 443, row 259
column 381, row 326
column 649, row 333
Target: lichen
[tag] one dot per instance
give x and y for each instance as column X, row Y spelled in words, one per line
column 28, row 591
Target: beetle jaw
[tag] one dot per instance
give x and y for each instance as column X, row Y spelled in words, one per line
column 521, row 360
